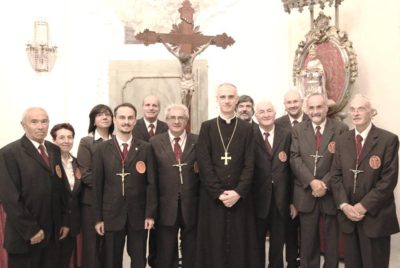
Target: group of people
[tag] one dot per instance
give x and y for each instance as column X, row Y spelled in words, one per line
column 212, row 199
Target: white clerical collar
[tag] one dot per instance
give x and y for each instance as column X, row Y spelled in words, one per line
column 147, row 123
column 365, row 133
column 322, row 125
column 97, row 135
column 227, row 120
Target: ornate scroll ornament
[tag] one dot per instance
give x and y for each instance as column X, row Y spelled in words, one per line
column 288, row 5
column 338, row 58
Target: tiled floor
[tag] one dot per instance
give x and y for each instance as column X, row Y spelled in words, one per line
column 394, row 256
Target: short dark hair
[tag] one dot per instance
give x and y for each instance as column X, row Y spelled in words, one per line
column 99, row 108
column 245, row 98
column 53, row 131
column 125, row 104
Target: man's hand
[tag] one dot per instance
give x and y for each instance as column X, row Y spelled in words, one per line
column 99, row 228
column 360, row 208
column 318, row 188
column 351, row 213
column 63, row 232
column 229, row 198
column 148, row 224
column 38, row 237
column 293, row 211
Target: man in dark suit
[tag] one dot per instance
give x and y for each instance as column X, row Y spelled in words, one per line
column 271, row 182
column 178, row 187
column 245, row 108
column 33, row 194
column 145, row 128
column 365, row 173
column 312, row 151
column 294, row 109
column 149, row 125
column 126, row 194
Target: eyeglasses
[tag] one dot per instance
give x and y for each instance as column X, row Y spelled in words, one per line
column 174, row 118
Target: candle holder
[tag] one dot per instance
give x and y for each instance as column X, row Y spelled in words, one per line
column 41, row 55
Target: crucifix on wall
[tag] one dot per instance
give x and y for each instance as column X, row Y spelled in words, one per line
column 185, row 42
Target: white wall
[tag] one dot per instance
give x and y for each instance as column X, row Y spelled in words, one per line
column 89, row 33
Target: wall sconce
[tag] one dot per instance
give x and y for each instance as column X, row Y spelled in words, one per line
column 40, row 54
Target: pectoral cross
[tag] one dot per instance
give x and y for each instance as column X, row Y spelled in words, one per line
column 316, row 156
column 123, row 175
column 179, row 166
column 226, row 158
column 355, row 172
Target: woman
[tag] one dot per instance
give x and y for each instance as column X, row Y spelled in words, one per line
column 100, row 129
column 63, row 135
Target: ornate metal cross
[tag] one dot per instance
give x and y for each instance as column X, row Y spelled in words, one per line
column 355, row 172
column 226, row 158
column 123, row 175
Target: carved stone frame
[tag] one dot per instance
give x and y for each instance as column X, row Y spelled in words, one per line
column 343, row 68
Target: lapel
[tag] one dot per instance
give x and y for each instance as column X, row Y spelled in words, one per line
column 309, row 135
column 189, row 146
column 114, row 148
column 370, row 142
column 287, row 122
column 76, row 173
column 166, row 146
column 259, row 138
column 350, row 145
column 33, row 152
column 327, row 135
column 134, row 150
column 277, row 140
column 141, row 125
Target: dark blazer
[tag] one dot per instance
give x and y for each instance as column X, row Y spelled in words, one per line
column 284, row 121
column 169, row 183
column 33, row 195
column 86, row 149
column 302, row 164
column 267, row 169
column 141, row 132
column 140, row 200
column 375, row 185
column 74, row 210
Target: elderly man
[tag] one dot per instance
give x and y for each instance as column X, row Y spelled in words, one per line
column 224, row 151
column 178, row 186
column 365, row 171
column 245, row 108
column 312, row 151
column 33, row 194
column 272, row 180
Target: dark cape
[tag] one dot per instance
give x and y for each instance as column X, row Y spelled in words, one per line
column 226, row 236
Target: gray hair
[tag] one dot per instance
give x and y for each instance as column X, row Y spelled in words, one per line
column 176, row 106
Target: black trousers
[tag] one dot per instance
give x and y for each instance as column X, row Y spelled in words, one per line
column 310, row 246
column 92, row 244
column 292, row 242
column 38, row 257
column 167, row 242
column 136, row 247
column 365, row 252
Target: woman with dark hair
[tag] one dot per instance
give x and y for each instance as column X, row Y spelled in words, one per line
column 63, row 136
column 100, row 129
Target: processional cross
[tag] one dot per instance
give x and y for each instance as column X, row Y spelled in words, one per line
column 185, row 42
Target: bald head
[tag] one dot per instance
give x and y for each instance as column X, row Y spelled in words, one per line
column 151, row 108
column 35, row 123
column 227, row 98
column 361, row 112
column 293, row 103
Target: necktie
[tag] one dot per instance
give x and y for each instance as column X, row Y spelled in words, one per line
column 177, row 149
column 124, row 151
column 318, row 137
column 358, row 146
column 151, row 131
column 295, row 122
column 267, row 144
column 44, row 155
